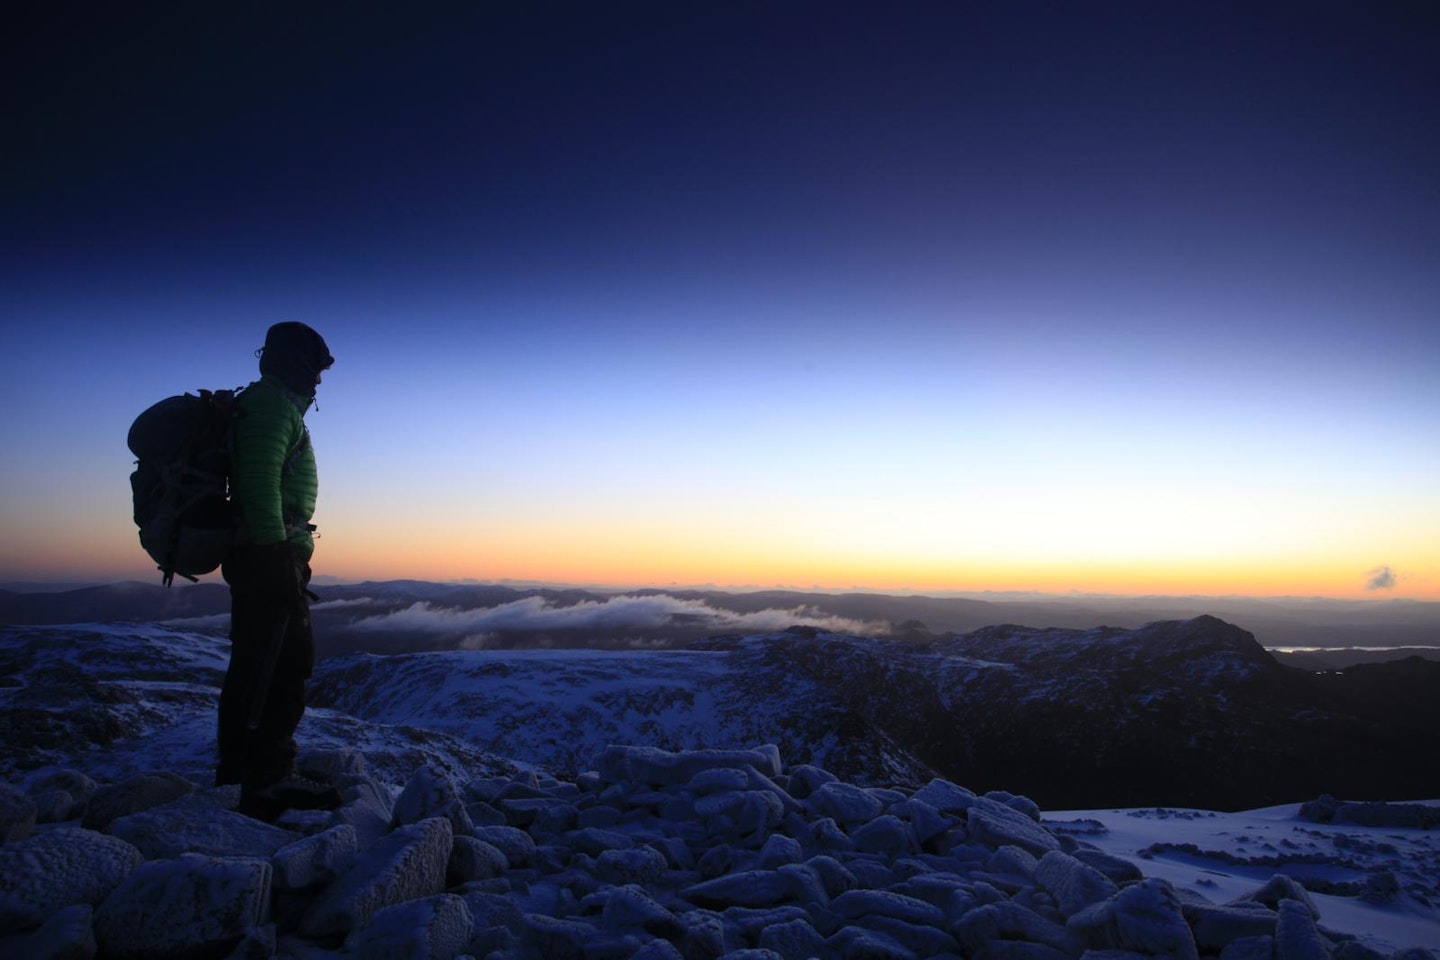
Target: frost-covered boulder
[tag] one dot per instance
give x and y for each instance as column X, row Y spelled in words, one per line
column 655, row 767
column 1118, row 869
column 329, row 766
column 1145, row 917
column 630, row 909
column 1296, row 936
column 1073, row 884
column 137, row 793
column 197, row 823
column 183, row 907
column 844, row 803
column 17, row 815
column 430, row 793
column 945, row 796
column 430, row 928
column 473, row 859
column 636, row 865
column 987, row 927
column 58, row 869
column 316, row 860
column 864, row 903
column 1278, row 889
column 74, row 782
column 66, row 934
column 749, row 888
column 997, row 824
column 1217, row 925
column 887, row 835
column 559, row 937
column 517, row 845
column 367, row 805
column 406, row 865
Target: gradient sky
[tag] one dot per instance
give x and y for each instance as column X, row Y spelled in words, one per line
column 1107, row 297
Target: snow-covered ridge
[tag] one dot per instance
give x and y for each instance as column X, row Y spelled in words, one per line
column 1070, row 717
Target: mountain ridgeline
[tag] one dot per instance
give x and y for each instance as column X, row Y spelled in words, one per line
column 1191, row 713
column 1186, row 711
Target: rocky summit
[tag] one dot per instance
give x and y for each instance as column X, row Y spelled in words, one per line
column 652, row 855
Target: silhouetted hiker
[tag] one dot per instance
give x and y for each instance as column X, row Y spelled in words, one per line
column 273, row 484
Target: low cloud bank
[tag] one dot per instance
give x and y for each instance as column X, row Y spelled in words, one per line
column 615, row 614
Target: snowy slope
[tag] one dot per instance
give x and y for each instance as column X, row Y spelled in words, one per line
column 1225, row 855
column 558, row 709
column 120, row 699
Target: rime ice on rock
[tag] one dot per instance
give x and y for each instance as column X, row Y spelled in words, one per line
column 429, row 793
column 17, row 815
column 998, row 824
column 142, row 918
column 315, row 860
column 438, row 926
column 196, row 823
column 137, row 793
column 58, row 869
column 656, row 856
column 406, row 865
column 656, row 767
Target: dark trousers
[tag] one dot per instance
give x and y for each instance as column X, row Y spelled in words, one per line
column 260, row 617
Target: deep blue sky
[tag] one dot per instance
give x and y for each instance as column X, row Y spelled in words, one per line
column 961, row 295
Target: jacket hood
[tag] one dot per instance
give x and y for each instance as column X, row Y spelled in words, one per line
column 295, row 354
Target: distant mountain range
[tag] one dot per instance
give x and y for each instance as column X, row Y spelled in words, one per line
column 408, row 615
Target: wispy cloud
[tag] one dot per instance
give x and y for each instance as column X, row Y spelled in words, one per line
column 1381, row 578
column 612, row 614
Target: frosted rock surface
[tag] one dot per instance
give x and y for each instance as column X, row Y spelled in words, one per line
column 140, row 792
column 430, row 793
column 997, row 824
column 1296, row 936
column 692, row 858
column 1073, row 884
column 431, row 928
column 662, row 768
column 67, row 934
column 180, row 907
column 315, row 860
column 198, row 824
column 17, row 815
column 844, row 803
column 1148, row 919
column 57, row 869
column 406, row 865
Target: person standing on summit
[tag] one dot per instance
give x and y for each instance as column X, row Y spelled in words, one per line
column 273, row 485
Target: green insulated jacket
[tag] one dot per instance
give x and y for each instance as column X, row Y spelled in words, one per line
column 272, row 470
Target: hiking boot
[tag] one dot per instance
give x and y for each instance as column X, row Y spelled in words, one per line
column 292, row 792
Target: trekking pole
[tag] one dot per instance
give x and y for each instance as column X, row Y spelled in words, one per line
column 260, row 689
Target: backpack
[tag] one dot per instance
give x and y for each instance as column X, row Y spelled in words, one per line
column 180, row 484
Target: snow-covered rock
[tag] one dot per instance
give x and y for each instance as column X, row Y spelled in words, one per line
column 58, row 869
column 199, row 823
column 183, row 906
column 406, row 865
